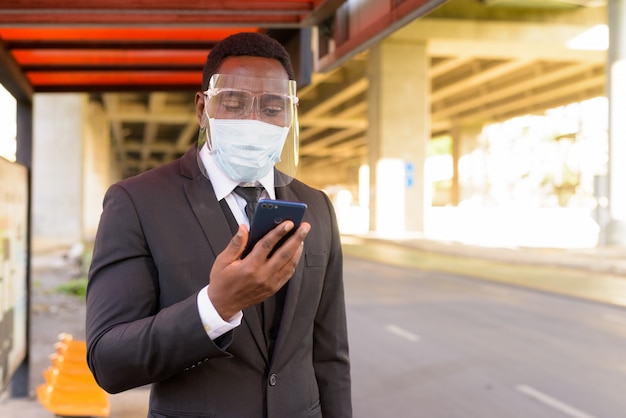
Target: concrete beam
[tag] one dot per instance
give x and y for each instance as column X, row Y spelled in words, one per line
column 498, row 40
column 12, row 77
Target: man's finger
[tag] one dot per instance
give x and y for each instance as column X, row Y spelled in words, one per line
column 237, row 243
column 290, row 251
column 272, row 238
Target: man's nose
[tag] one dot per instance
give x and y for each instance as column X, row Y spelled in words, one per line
column 254, row 109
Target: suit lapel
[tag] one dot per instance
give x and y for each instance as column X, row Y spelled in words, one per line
column 214, row 224
column 203, row 202
column 208, row 213
column 252, row 320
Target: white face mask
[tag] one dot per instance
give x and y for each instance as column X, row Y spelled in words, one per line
column 246, row 149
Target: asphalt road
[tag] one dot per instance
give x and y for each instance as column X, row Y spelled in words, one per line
column 441, row 345
column 428, row 341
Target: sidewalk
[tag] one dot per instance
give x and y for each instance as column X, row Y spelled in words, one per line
column 53, row 313
column 597, row 274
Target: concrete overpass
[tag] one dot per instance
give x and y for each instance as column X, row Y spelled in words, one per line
column 443, row 67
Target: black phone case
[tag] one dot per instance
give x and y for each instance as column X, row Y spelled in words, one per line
column 268, row 215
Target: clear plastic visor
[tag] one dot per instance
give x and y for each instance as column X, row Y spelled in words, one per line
column 235, row 97
column 272, row 101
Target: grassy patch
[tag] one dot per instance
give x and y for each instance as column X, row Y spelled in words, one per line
column 74, row 287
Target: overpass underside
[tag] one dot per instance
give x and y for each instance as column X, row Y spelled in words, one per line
column 482, row 70
column 476, row 63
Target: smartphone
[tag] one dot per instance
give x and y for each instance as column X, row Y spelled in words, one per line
column 268, row 215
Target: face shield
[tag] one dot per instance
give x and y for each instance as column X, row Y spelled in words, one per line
column 250, row 125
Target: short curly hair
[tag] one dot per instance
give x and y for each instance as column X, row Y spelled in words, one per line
column 245, row 43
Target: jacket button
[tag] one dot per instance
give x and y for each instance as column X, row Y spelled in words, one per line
column 272, row 379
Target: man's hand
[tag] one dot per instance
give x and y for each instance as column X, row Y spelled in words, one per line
column 237, row 283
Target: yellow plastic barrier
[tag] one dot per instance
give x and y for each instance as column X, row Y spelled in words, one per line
column 70, row 389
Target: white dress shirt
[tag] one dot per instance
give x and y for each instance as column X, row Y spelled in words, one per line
column 223, row 186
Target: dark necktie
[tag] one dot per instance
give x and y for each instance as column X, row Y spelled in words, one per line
column 267, row 309
column 251, row 195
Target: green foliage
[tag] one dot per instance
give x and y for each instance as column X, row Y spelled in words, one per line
column 74, row 287
column 440, row 146
column 78, row 286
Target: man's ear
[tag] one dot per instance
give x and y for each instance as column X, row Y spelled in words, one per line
column 199, row 101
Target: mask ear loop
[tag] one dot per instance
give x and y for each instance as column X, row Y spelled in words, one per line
column 203, row 134
column 203, row 138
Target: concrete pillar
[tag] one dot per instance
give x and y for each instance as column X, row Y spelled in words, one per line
column 464, row 141
column 57, row 175
column 399, row 117
column 97, row 167
column 616, row 91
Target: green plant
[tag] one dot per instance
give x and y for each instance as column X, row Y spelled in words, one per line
column 74, row 287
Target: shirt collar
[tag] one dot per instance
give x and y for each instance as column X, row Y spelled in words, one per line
column 224, row 185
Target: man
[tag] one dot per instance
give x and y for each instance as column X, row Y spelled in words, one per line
column 170, row 301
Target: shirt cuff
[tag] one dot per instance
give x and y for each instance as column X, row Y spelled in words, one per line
column 213, row 323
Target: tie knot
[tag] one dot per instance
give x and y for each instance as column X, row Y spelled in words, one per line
column 250, row 194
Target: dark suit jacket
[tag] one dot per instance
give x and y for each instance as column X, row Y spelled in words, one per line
column 158, row 237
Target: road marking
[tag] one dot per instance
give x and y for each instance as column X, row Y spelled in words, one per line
column 553, row 402
column 401, row 332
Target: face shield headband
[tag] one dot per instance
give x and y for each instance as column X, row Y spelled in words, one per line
column 250, row 125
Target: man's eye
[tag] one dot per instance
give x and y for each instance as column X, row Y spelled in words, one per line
column 272, row 111
column 233, row 105
column 272, row 106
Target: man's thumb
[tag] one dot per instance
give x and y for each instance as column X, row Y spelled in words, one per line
column 238, row 242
